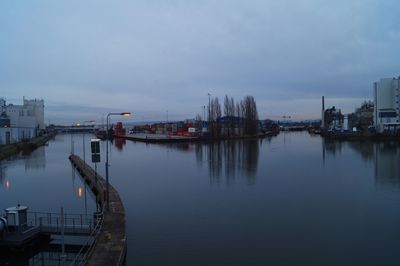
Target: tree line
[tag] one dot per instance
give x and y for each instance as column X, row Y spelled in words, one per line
column 240, row 118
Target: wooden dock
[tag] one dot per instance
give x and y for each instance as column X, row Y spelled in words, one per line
column 110, row 246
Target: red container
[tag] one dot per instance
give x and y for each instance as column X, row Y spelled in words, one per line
column 119, row 130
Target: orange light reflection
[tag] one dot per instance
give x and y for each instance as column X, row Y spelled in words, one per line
column 80, row 192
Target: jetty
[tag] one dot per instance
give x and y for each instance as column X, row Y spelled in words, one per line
column 109, row 247
column 163, row 138
column 158, row 138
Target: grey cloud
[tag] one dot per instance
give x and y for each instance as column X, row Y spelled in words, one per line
column 158, row 55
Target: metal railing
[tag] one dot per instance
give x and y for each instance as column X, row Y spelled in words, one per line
column 52, row 222
column 51, row 258
column 87, row 249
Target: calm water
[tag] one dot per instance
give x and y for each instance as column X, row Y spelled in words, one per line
column 291, row 200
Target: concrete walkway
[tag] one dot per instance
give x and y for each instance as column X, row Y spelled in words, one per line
column 110, row 247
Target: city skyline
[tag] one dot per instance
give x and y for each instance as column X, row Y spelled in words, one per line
column 88, row 58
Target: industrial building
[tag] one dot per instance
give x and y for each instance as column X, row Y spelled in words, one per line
column 387, row 105
column 21, row 122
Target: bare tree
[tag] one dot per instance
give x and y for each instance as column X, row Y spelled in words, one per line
column 229, row 106
column 198, row 121
column 215, row 114
column 238, row 110
column 229, row 112
column 250, row 115
column 242, row 114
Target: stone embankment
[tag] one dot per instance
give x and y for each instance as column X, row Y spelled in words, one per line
column 25, row 146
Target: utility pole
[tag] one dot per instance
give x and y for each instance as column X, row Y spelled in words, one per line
column 209, row 105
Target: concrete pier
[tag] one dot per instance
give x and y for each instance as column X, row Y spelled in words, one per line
column 110, row 247
column 158, row 138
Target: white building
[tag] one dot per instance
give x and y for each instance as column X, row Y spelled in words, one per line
column 20, row 122
column 387, row 104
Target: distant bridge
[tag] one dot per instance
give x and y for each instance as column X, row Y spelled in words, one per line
column 293, row 128
column 74, row 129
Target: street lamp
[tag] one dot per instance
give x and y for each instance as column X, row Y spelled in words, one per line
column 108, row 137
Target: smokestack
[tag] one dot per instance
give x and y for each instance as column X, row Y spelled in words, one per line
column 323, row 113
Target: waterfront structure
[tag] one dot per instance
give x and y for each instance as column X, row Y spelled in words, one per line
column 21, row 122
column 333, row 119
column 362, row 118
column 387, row 104
column 365, row 115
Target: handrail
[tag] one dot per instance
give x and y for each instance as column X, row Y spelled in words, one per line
column 34, row 216
column 81, row 257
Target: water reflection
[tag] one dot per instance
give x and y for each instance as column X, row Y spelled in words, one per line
column 387, row 164
column 2, row 173
column 36, row 160
column 80, row 192
column 119, row 143
column 384, row 155
column 229, row 159
column 32, row 161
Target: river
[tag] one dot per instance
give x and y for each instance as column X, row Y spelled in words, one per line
column 294, row 199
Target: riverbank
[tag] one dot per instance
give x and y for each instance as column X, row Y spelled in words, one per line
column 358, row 136
column 25, row 146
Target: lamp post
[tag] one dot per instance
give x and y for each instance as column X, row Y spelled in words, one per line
column 108, row 137
column 83, row 139
column 209, row 105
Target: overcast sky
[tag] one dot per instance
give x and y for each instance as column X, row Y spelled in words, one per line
column 86, row 58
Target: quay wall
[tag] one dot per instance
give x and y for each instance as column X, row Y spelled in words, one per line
column 13, row 149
